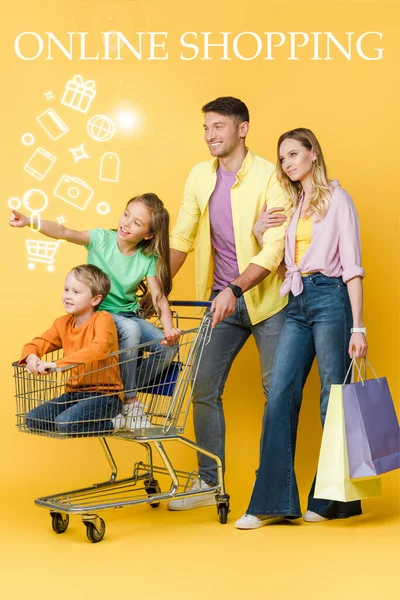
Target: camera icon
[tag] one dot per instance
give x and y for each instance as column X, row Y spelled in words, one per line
column 74, row 191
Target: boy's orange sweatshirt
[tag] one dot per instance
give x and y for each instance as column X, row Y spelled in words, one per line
column 90, row 344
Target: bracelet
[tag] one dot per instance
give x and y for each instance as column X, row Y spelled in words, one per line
column 359, row 330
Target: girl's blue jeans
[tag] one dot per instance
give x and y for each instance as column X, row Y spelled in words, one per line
column 137, row 372
column 317, row 324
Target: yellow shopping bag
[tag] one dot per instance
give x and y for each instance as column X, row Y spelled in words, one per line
column 333, row 475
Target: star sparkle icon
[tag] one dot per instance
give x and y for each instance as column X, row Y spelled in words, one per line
column 61, row 220
column 79, row 153
column 49, row 95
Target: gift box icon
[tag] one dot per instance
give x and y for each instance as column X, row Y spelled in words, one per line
column 79, row 94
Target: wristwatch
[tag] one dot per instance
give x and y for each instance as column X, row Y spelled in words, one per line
column 236, row 290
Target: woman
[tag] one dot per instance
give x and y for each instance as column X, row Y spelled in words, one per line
column 324, row 319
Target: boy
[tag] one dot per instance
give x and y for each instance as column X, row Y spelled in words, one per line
column 93, row 391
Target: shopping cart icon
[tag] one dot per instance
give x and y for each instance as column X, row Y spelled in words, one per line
column 41, row 251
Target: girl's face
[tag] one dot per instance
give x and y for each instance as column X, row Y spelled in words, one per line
column 135, row 224
column 296, row 160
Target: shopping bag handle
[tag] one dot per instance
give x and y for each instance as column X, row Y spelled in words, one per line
column 354, row 363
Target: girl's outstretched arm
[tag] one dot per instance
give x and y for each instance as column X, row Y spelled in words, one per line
column 52, row 229
column 171, row 333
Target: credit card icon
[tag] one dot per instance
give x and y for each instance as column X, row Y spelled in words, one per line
column 52, row 123
column 40, row 163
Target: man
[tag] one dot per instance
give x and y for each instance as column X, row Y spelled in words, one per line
column 222, row 200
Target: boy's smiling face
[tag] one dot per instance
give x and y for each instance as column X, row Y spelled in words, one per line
column 77, row 297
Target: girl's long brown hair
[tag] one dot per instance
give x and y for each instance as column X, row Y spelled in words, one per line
column 157, row 245
column 320, row 197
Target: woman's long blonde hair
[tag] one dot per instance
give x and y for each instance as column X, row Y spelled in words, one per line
column 157, row 245
column 320, row 197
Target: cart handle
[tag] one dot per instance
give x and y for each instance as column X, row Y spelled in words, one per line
column 190, row 303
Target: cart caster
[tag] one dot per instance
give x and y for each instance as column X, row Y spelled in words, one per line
column 95, row 532
column 59, row 522
column 153, row 487
column 223, row 510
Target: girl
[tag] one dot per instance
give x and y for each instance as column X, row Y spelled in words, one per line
column 324, row 319
column 137, row 250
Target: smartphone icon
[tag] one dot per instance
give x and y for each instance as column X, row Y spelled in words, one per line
column 53, row 125
column 40, row 163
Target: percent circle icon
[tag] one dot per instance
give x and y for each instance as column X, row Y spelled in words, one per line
column 100, row 128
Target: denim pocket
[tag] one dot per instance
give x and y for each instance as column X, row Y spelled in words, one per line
column 323, row 282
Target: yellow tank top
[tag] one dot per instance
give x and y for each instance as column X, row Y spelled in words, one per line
column 303, row 239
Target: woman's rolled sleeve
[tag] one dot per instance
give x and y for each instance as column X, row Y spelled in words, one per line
column 349, row 242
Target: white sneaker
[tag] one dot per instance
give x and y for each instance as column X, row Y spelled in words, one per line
column 313, row 517
column 195, row 501
column 135, row 417
column 253, row 522
column 119, row 422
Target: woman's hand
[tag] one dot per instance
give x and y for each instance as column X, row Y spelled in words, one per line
column 17, row 219
column 171, row 336
column 358, row 346
column 268, row 218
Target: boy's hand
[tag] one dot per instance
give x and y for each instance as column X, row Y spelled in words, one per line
column 44, row 368
column 17, row 219
column 32, row 362
column 171, row 336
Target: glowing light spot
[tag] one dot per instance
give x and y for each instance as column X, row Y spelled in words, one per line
column 127, row 120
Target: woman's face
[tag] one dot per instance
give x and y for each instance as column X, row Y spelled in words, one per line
column 296, row 160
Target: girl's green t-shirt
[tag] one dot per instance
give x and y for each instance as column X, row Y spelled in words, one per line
column 125, row 272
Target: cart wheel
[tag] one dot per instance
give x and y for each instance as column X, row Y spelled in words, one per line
column 93, row 534
column 58, row 522
column 223, row 511
column 153, row 487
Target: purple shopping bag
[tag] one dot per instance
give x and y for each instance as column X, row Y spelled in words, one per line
column 372, row 428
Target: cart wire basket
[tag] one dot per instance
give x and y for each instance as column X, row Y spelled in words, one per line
column 85, row 400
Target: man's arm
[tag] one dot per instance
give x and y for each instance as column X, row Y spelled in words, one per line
column 185, row 230
column 261, row 265
column 177, row 259
column 225, row 303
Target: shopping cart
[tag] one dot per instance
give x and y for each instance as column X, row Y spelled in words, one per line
column 164, row 400
column 41, row 251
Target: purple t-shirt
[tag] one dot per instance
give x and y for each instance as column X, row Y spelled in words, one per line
column 222, row 234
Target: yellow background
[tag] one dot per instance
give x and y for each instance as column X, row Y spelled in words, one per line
column 352, row 106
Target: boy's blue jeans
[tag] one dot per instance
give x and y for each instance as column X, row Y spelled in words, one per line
column 76, row 413
column 133, row 330
column 317, row 323
column 226, row 341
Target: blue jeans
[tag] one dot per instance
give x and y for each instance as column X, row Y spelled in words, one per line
column 317, row 323
column 75, row 413
column 137, row 372
column 226, row 341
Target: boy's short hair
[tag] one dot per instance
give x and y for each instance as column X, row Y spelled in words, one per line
column 98, row 282
column 230, row 107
